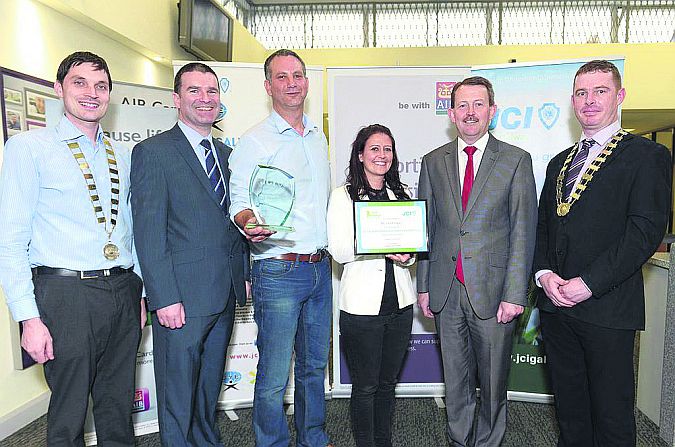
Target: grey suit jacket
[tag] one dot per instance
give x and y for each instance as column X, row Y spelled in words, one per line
column 188, row 248
column 496, row 234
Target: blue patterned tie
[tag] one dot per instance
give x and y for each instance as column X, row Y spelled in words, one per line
column 213, row 171
column 577, row 163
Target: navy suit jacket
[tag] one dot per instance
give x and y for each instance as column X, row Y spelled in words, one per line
column 188, row 248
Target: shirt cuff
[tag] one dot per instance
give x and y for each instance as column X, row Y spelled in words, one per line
column 24, row 310
column 539, row 274
column 585, row 285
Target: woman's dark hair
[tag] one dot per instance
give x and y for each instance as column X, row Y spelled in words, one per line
column 357, row 182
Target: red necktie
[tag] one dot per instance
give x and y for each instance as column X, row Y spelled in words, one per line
column 466, row 191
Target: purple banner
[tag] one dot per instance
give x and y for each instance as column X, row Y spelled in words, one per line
column 422, row 363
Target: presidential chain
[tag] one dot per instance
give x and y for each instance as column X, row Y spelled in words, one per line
column 110, row 250
column 562, row 207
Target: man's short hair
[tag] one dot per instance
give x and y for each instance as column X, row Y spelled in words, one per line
column 188, row 68
column 602, row 66
column 82, row 57
column 279, row 53
column 474, row 80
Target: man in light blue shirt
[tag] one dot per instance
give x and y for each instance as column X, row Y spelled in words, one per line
column 291, row 274
column 66, row 258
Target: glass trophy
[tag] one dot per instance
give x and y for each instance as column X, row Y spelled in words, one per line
column 272, row 193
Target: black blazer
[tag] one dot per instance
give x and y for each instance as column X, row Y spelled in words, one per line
column 188, row 248
column 609, row 233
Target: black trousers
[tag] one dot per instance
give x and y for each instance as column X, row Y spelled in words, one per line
column 95, row 327
column 375, row 347
column 593, row 381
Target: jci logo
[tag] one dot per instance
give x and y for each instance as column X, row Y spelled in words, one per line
column 512, row 118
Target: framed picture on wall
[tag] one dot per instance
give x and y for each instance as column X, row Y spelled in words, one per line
column 14, row 119
column 13, row 96
column 30, row 124
column 35, row 104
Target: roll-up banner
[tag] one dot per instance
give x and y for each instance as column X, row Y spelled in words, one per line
column 534, row 112
column 413, row 103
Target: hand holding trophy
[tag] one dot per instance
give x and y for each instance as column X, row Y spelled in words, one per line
column 272, row 194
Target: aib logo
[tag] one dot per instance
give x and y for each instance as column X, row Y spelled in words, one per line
column 231, row 380
column 141, row 400
column 512, row 118
column 443, row 91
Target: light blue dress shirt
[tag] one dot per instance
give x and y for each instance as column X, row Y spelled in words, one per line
column 46, row 214
column 274, row 142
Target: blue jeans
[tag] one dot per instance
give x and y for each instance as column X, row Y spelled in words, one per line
column 292, row 305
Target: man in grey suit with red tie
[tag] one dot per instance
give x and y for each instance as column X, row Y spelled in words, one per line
column 482, row 204
column 193, row 257
column 603, row 212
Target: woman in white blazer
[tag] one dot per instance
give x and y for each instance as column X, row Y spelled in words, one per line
column 376, row 292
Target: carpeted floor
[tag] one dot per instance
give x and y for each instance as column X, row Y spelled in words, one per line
column 417, row 423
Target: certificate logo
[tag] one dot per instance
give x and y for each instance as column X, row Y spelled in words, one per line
column 549, row 114
column 443, row 91
column 141, row 400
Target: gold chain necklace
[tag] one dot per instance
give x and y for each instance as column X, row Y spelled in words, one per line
column 110, row 250
column 562, row 207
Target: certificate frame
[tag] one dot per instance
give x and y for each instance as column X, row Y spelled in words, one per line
column 407, row 232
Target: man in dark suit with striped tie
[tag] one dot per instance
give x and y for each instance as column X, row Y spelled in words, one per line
column 192, row 256
column 602, row 213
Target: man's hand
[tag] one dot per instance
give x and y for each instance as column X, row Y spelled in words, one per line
column 508, row 311
column 248, row 289
column 37, row 340
column 551, row 284
column 575, row 291
column 144, row 314
column 423, row 302
column 255, row 234
column 401, row 259
column 172, row 316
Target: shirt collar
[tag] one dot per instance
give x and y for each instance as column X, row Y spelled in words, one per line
column 480, row 144
column 67, row 131
column 194, row 137
column 283, row 126
column 604, row 135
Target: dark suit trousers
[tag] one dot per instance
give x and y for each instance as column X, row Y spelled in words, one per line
column 472, row 349
column 593, row 381
column 189, row 365
column 95, row 328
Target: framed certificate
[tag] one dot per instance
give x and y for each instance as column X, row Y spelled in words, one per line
column 397, row 226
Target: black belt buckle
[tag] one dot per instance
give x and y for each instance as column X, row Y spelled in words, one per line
column 93, row 274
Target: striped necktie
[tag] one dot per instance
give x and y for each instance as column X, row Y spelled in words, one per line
column 213, row 171
column 577, row 163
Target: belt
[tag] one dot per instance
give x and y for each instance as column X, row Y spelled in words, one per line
column 311, row 258
column 82, row 274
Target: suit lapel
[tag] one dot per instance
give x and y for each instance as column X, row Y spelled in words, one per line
column 452, row 169
column 486, row 164
column 185, row 150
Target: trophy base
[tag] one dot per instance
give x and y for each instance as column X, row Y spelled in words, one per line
column 281, row 228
